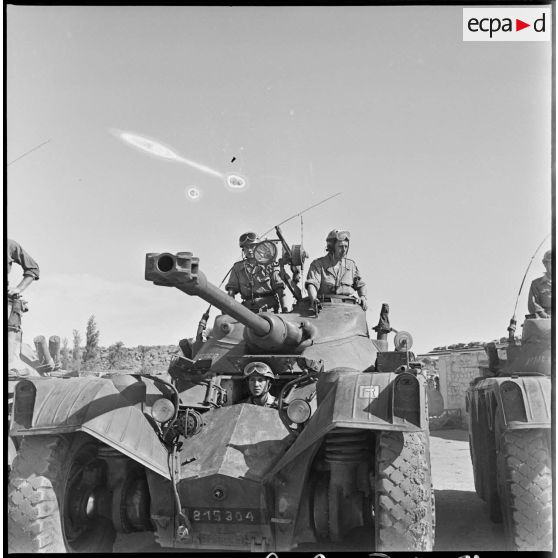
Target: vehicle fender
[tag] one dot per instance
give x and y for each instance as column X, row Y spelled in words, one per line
column 525, row 401
column 111, row 413
column 364, row 401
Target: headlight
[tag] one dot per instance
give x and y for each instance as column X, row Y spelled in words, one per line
column 162, row 410
column 298, row 411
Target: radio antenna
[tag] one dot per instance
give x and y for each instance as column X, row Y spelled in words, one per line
column 300, row 213
column 27, row 152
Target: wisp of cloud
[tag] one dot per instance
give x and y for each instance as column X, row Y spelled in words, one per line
column 159, row 150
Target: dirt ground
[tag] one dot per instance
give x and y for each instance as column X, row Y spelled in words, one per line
column 462, row 522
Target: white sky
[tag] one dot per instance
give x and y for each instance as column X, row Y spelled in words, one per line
column 441, row 149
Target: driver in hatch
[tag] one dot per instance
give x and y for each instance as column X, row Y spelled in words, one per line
column 259, row 285
column 259, row 376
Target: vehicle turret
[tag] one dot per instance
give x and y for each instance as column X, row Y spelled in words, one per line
column 267, row 331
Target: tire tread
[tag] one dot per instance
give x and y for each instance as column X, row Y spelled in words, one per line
column 404, row 515
column 527, row 485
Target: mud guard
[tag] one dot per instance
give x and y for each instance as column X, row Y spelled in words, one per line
column 92, row 405
column 525, row 400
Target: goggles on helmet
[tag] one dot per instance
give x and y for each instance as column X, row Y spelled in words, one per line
column 338, row 235
column 247, row 238
column 259, row 368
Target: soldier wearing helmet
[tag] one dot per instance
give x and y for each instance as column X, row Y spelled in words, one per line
column 259, row 376
column 259, row 285
column 540, row 293
column 334, row 273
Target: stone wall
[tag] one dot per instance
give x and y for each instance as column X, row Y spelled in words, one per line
column 148, row 360
column 456, row 371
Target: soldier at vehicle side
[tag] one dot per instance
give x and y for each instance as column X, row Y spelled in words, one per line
column 259, row 377
column 334, row 273
column 16, row 305
column 259, row 286
column 540, row 293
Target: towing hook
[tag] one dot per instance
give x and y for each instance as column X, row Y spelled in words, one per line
column 182, row 532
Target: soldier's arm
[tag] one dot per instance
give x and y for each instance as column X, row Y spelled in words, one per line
column 29, row 266
column 277, row 284
column 313, row 283
column 532, row 305
column 360, row 287
column 313, row 280
column 233, row 286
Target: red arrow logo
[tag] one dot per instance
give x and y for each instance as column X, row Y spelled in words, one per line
column 519, row 25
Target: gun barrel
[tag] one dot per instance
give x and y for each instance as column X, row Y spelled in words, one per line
column 182, row 271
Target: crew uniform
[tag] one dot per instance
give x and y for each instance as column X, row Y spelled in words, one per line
column 271, row 401
column 15, row 253
column 16, row 305
column 540, row 293
column 328, row 277
column 256, row 284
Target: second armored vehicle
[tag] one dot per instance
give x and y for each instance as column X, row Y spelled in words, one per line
column 509, row 408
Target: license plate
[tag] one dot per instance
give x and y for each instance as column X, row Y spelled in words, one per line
column 223, row 515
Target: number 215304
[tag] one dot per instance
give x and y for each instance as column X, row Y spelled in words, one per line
column 220, row 515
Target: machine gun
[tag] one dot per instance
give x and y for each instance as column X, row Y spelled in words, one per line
column 294, row 257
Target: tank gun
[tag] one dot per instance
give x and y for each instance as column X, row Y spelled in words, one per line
column 266, row 331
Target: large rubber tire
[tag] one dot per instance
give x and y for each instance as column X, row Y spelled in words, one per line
column 404, row 500
column 483, row 456
column 39, row 514
column 525, row 488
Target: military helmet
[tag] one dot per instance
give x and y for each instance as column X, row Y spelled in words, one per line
column 547, row 256
column 338, row 234
column 259, row 368
column 247, row 238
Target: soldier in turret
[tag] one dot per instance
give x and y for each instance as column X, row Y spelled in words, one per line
column 260, row 376
column 540, row 293
column 259, row 285
column 334, row 273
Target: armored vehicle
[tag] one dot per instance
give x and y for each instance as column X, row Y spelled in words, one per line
column 509, row 407
column 346, row 451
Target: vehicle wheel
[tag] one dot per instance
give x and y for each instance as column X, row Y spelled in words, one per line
column 486, row 466
column 320, row 507
column 51, row 496
column 525, row 487
column 404, row 499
